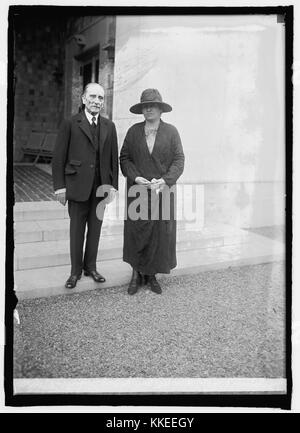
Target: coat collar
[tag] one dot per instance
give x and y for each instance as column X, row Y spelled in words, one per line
column 85, row 127
column 158, row 139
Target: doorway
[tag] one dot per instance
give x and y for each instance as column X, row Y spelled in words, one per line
column 90, row 71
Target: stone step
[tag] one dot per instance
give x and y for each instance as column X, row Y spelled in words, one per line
column 58, row 229
column 53, row 230
column 44, row 210
column 49, row 210
column 56, row 253
column 49, row 281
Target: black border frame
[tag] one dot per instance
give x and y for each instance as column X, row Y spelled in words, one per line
column 267, row 400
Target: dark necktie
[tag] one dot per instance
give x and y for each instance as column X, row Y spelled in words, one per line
column 94, row 127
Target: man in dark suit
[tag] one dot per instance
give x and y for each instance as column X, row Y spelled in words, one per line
column 85, row 157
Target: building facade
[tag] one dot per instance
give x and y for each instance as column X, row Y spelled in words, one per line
column 223, row 76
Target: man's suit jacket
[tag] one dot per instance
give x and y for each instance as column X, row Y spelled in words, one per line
column 73, row 164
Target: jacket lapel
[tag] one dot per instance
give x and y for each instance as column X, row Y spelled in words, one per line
column 158, row 143
column 158, row 147
column 85, row 127
column 143, row 146
column 103, row 133
column 159, row 140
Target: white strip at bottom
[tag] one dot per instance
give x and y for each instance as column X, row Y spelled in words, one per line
column 150, row 386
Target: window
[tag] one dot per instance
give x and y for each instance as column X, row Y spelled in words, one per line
column 89, row 66
column 90, row 71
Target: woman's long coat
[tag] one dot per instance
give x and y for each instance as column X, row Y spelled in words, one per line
column 150, row 244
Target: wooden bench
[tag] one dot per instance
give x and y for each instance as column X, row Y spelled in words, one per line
column 48, row 145
column 40, row 144
column 34, row 144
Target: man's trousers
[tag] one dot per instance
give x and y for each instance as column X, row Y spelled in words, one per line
column 83, row 216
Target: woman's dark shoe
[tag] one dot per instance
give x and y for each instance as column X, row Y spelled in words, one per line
column 141, row 279
column 72, row 281
column 154, row 285
column 98, row 278
column 134, row 283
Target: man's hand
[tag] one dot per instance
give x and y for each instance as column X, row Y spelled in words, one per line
column 111, row 196
column 61, row 197
column 142, row 181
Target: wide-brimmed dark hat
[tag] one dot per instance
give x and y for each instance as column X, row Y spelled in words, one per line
column 150, row 96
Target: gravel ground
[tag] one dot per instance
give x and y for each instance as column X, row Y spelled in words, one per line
column 225, row 323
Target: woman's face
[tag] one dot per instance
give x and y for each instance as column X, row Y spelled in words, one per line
column 151, row 112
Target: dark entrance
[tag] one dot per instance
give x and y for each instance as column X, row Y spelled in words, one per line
column 89, row 66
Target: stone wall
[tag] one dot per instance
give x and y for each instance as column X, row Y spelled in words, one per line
column 48, row 81
column 39, row 70
column 224, row 77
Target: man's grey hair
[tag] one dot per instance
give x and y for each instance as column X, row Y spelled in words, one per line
column 88, row 85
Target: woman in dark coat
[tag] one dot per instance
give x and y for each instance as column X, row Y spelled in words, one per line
column 152, row 160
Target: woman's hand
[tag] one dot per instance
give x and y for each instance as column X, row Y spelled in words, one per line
column 142, row 181
column 157, row 184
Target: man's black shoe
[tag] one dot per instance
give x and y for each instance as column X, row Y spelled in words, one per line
column 154, row 285
column 134, row 283
column 95, row 275
column 72, row 281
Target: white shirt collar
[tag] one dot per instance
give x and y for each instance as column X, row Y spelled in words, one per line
column 89, row 116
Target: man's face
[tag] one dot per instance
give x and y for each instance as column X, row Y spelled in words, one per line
column 151, row 112
column 93, row 98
